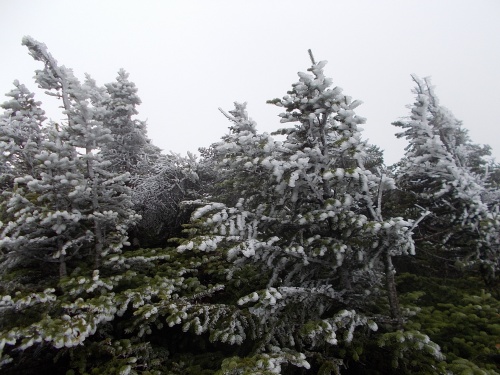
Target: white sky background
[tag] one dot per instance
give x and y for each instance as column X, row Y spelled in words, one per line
column 190, row 57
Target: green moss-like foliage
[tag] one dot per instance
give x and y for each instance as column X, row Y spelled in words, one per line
column 460, row 317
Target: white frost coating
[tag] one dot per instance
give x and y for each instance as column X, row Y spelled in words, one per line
column 328, row 175
column 203, row 210
column 249, row 249
column 372, row 325
column 125, row 370
column 294, row 177
column 254, row 297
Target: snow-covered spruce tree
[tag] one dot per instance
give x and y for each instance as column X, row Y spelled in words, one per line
column 45, row 219
column 72, row 207
column 20, row 136
column 105, row 194
column 307, row 215
column 99, row 317
column 20, row 128
column 130, row 150
column 437, row 173
column 237, row 159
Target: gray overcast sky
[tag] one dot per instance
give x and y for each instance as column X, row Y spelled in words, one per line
column 190, row 57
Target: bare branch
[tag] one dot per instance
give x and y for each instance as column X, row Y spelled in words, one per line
column 229, row 117
column 379, row 198
column 311, row 56
column 424, row 214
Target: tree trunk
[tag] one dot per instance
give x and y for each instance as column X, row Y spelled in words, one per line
column 62, row 267
column 63, row 272
column 392, row 292
column 345, row 281
column 98, row 240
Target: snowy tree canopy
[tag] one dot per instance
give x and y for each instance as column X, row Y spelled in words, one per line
column 438, row 171
column 20, row 127
column 308, row 215
column 294, row 252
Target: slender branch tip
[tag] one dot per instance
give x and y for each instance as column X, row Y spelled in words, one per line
column 311, row 56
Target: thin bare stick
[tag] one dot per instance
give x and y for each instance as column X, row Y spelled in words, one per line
column 229, row 117
column 311, row 56
column 379, row 198
column 422, row 217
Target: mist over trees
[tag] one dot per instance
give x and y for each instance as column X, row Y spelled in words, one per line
column 294, row 252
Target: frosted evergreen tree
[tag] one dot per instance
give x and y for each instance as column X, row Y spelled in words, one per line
column 75, row 212
column 130, row 150
column 108, row 202
column 238, row 157
column 309, row 217
column 72, row 209
column 20, row 132
column 46, row 219
column 437, row 172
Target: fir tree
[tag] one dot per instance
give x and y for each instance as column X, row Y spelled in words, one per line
column 108, row 199
column 20, row 133
column 46, row 216
column 76, row 211
column 438, row 174
column 130, row 150
column 308, row 215
column 73, row 206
